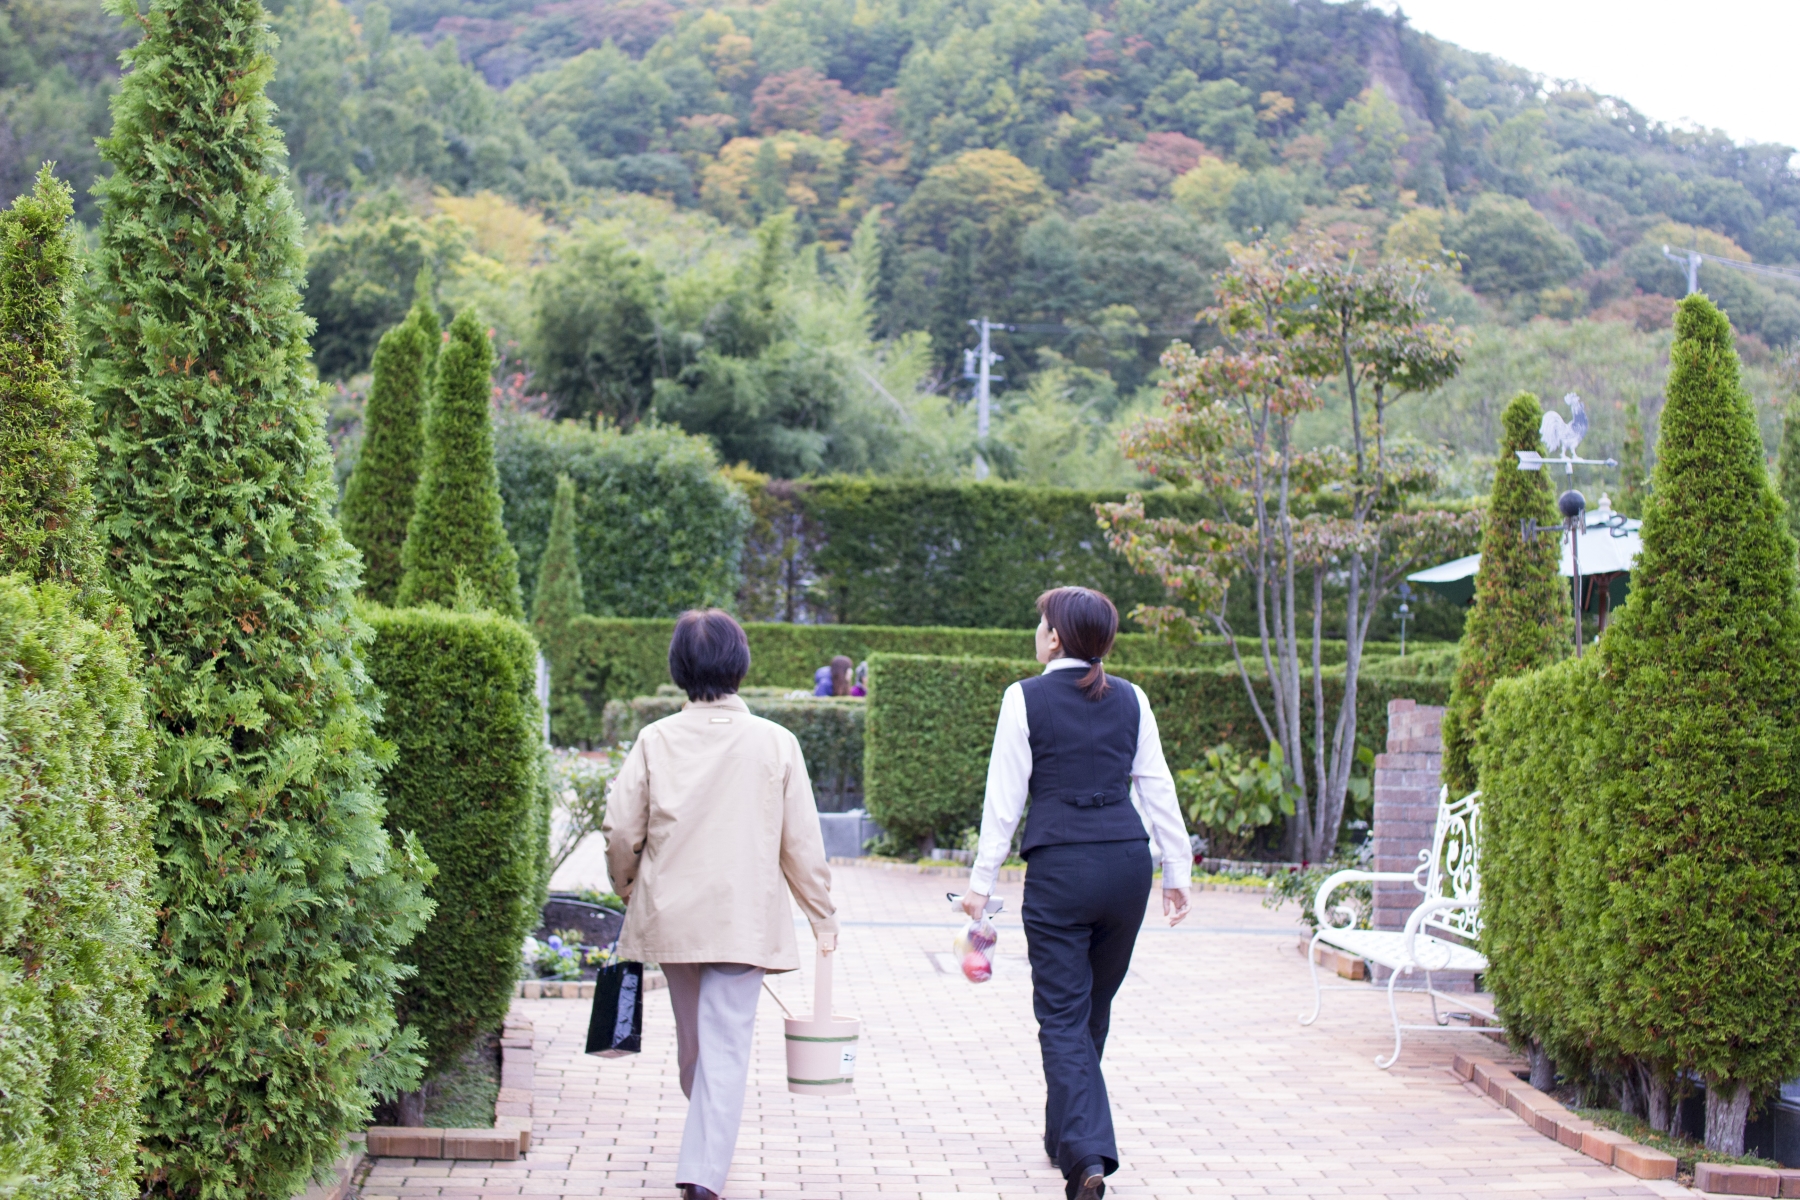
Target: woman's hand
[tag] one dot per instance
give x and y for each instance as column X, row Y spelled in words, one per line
column 974, row 905
column 1175, row 904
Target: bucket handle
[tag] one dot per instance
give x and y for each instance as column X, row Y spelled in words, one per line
column 821, row 992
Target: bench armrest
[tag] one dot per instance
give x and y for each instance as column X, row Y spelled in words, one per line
column 1321, row 906
column 1426, row 908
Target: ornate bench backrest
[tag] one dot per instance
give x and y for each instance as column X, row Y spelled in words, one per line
column 1452, row 867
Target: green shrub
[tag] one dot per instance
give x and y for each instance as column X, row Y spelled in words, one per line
column 1543, row 874
column 930, row 728
column 378, row 498
column 74, row 911
column 456, row 549
column 46, row 502
column 1703, row 933
column 611, row 658
column 468, row 778
column 555, row 602
column 280, row 897
column 967, row 555
column 1521, row 619
column 829, row 730
column 658, row 529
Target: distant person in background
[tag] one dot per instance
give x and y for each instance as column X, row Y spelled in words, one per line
column 842, row 675
column 822, row 681
column 861, row 686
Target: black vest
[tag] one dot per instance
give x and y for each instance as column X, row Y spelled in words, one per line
column 1081, row 755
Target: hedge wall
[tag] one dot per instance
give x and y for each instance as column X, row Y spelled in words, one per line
column 967, row 555
column 830, row 732
column 658, row 529
column 931, row 727
column 619, row 658
column 74, row 911
column 460, row 706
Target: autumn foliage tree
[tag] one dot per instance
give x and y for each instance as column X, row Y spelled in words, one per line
column 1291, row 316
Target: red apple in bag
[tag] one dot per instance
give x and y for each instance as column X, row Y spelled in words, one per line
column 976, row 968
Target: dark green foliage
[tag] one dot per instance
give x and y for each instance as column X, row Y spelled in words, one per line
column 1544, row 841
column 75, row 914
column 830, row 732
column 617, row 659
column 46, row 504
column 978, row 555
column 1511, row 247
column 378, row 499
column 557, row 601
column 362, row 278
column 1633, row 471
column 456, row 547
column 595, row 340
column 280, row 897
column 657, row 528
column 1704, row 930
column 1521, row 619
column 461, row 709
column 930, row 727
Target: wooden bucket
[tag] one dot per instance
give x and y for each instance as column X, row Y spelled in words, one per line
column 821, row 1049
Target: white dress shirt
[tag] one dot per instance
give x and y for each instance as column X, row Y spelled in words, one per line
column 1009, row 782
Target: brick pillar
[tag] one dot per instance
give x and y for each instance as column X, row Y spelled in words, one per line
column 1406, row 796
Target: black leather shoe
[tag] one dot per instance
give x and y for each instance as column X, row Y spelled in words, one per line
column 1092, row 1185
column 693, row 1191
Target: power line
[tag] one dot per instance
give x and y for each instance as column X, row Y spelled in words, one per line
column 1691, row 260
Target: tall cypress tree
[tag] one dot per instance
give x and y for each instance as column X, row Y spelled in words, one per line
column 46, row 502
column 456, row 550
column 1703, row 932
column 1521, row 616
column 280, row 897
column 1787, row 463
column 378, row 499
column 1631, row 469
column 556, row 602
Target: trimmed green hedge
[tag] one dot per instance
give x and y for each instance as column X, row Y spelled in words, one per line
column 931, row 727
column 830, row 732
column 74, row 909
column 967, row 555
column 614, row 658
column 460, row 706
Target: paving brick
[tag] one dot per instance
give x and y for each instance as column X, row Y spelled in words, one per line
column 1644, row 1162
column 1601, row 1144
column 487, row 1144
column 1217, row 1090
column 402, row 1142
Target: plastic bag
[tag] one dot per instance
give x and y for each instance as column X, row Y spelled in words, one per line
column 975, row 950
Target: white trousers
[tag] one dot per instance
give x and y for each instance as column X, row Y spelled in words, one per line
column 715, row 1016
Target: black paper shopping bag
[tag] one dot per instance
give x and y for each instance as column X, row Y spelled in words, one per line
column 616, row 1027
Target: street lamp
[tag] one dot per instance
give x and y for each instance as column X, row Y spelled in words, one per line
column 1404, row 614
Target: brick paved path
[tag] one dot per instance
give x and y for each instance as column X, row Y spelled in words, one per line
column 1217, row 1091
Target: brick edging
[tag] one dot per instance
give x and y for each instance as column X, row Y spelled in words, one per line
column 510, row 1137
column 1552, row 1120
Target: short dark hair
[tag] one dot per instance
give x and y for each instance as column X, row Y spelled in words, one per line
column 709, row 654
column 1086, row 622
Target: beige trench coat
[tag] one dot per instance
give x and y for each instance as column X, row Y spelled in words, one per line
column 711, row 812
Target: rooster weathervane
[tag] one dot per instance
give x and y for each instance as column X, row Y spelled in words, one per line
column 1560, row 438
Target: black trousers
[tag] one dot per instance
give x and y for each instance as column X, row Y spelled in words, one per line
column 1083, row 906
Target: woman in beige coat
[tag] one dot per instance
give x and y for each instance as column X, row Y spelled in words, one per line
column 709, row 825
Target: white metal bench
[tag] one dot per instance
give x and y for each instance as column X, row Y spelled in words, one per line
column 1451, row 884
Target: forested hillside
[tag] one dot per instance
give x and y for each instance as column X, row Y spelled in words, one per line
column 771, row 225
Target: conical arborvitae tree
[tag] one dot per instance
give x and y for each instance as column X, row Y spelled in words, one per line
column 1521, row 618
column 378, row 499
column 556, row 602
column 74, row 855
column 1631, row 464
column 46, row 504
column 1703, row 932
column 280, row 897
column 456, row 551
column 1787, row 464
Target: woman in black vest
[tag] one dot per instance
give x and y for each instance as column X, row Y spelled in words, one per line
column 1083, row 745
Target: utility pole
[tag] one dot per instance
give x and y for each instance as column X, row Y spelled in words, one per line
column 979, row 366
column 1691, row 261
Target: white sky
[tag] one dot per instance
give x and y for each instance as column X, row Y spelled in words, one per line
column 1724, row 64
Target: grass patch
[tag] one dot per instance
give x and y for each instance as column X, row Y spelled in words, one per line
column 1687, row 1152
column 462, row 1096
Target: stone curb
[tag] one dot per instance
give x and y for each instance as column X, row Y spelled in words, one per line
column 507, row 1141
column 1721, row 1179
column 1552, row 1120
column 557, row 989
